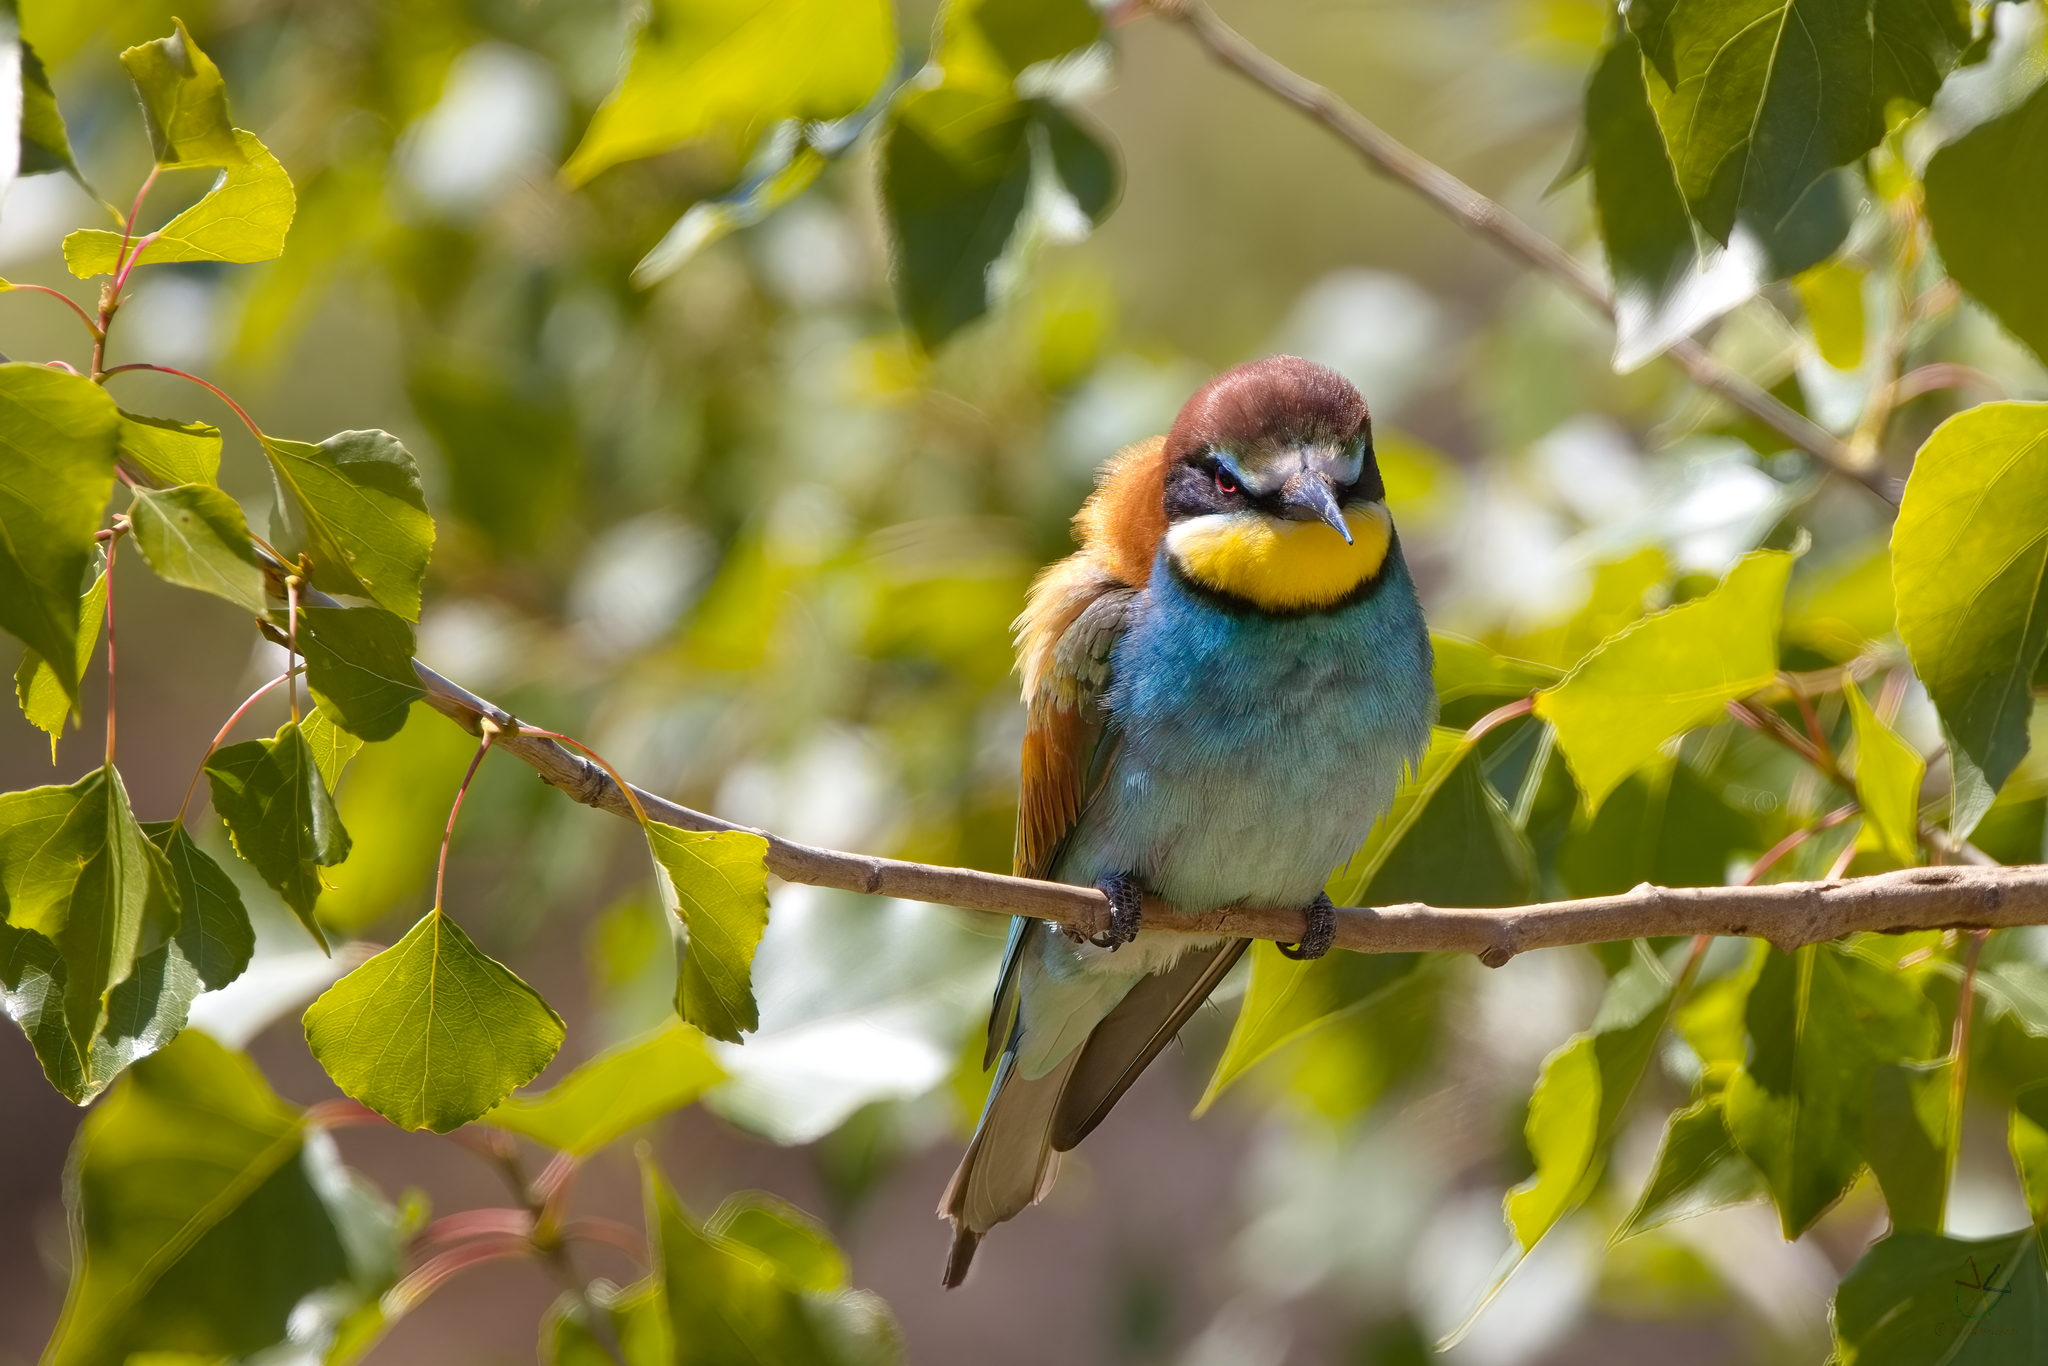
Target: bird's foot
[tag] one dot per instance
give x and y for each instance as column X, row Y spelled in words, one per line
column 1126, row 911
column 1322, row 930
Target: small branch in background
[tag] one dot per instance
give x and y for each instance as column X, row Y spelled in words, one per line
column 1959, row 1064
column 1481, row 215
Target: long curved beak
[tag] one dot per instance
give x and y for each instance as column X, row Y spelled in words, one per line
column 1310, row 497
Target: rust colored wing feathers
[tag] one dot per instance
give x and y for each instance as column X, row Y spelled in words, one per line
column 1071, row 622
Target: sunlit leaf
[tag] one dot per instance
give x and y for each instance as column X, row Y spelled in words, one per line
column 184, row 100
column 1983, row 190
column 1918, row 1298
column 801, row 1249
column 1832, row 294
column 1905, row 1139
column 354, row 503
column 956, row 165
column 1888, row 776
column 76, row 868
column 734, row 67
column 614, row 1092
column 56, row 471
column 35, row 683
column 1466, row 669
column 717, row 885
column 1668, row 673
column 2027, row 1137
column 1287, row 1000
column 281, row 815
column 989, row 43
column 1698, row 1169
column 196, row 537
column 710, row 220
column 244, row 218
column 359, row 664
column 1820, row 1019
column 432, row 1032
column 1970, row 566
column 1580, row 1096
column 331, row 746
column 208, row 1222
column 168, row 451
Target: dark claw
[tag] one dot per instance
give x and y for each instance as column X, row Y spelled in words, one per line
column 1126, row 911
column 1322, row 931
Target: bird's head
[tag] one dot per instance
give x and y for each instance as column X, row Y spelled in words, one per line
column 1272, row 493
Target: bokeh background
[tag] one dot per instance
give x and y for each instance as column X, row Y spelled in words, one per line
column 741, row 536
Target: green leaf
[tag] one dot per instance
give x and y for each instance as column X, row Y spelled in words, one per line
column 1905, row 1139
column 1698, row 1169
column 1660, row 291
column 359, row 664
column 1983, row 190
column 56, row 471
column 1820, row 1019
column 432, row 1032
column 184, row 100
column 1665, row 825
column 956, row 165
column 208, row 1223
column 331, row 746
column 1079, row 159
column 354, row 503
column 195, row 536
column 799, row 1246
column 214, row 933
column 989, row 43
column 1288, row 1000
column 1969, row 566
column 1465, row 669
column 1443, row 804
column 1581, row 1094
column 1759, row 101
column 1667, row 673
column 1832, row 295
column 76, row 869
column 35, row 683
column 732, row 68
column 726, row 1301
column 39, row 134
column 168, row 451
column 1888, row 776
column 2027, row 1136
column 1917, row 1298
column 281, row 815
column 244, row 217
column 717, row 885
column 616, row 1091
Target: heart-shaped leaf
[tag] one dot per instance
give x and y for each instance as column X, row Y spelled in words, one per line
column 196, row 537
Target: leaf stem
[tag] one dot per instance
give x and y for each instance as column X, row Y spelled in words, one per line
column 291, row 643
column 213, row 389
column 1959, row 1054
column 632, row 796
column 1499, row 716
column 229, row 725
column 112, row 541
column 1797, row 838
column 110, row 293
column 69, row 302
column 448, row 835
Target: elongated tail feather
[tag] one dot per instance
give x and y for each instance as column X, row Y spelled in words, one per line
column 1009, row 1164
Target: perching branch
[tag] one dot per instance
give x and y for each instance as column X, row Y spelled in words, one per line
column 1481, row 215
column 1787, row 913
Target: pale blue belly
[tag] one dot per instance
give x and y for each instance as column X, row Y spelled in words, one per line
column 1256, row 752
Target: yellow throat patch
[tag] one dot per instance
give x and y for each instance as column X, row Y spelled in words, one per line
column 1278, row 565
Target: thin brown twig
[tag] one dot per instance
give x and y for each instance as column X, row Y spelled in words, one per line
column 1484, row 216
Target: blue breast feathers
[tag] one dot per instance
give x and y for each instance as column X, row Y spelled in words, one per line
column 1254, row 751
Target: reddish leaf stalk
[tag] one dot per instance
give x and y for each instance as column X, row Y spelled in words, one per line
column 447, row 835
column 69, row 303
column 213, row 389
column 632, row 797
column 1797, row 838
column 291, row 646
column 221, row 735
column 1499, row 716
column 112, row 541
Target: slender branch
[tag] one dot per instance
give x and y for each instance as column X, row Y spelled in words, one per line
column 1481, row 215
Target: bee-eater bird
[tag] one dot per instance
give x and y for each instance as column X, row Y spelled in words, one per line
column 1223, row 688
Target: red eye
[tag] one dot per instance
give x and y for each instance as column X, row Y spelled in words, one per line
column 1224, row 483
